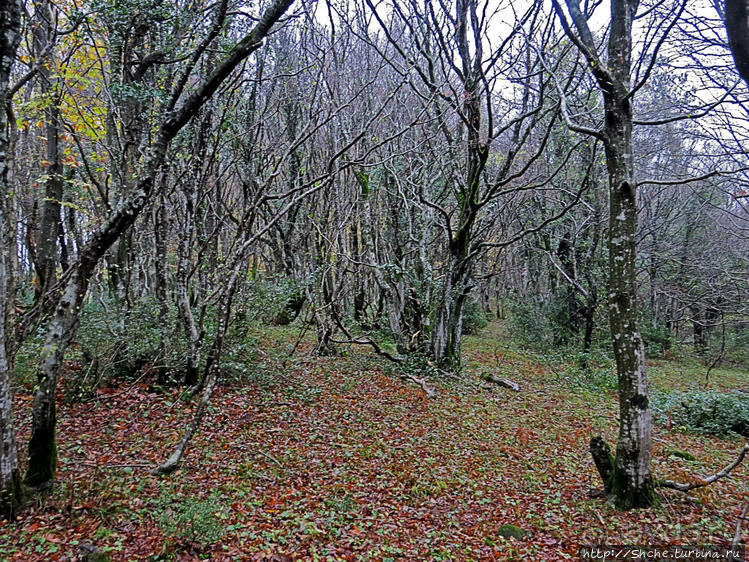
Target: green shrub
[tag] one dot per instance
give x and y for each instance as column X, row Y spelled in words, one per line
column 594, row 371
column 27, row 360
column 705, row 411
column 737, row 342
column 540, row 323
column 114, row 348
column 474, row 318
column 416, row 364
column 528, row 324
column 657, row 336
column 275, row 301
column 240, row 353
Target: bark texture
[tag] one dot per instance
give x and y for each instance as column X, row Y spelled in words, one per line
column 737, row 25
column 47, row 255
column 11, row 488
column 631, row 481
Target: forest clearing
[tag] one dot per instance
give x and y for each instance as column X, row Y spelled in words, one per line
column 310, row 458
column 374, row 279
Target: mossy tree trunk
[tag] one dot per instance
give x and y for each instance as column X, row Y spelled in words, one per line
column 448, row 322
column 631, row 480
column 11, row 488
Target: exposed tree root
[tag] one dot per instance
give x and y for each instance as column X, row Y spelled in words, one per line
column 685, row 487
column 604, row 460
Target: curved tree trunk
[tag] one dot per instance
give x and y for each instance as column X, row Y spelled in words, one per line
column 62, row 326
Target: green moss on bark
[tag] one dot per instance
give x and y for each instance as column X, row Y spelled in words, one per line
column 42, row 457
column 12, row 496
column 628, row 497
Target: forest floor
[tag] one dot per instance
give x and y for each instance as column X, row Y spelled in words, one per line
column 339, row 459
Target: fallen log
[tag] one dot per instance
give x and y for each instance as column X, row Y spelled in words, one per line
column 507, row 383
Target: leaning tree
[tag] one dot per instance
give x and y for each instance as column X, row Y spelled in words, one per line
column 186, row 96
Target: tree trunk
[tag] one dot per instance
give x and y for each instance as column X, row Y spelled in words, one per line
column 11, row 488
column 47, row 255
column 60, row 331
column 736, row 19
column 591, row 301
column 447, row 330
column 441, row 347
column 699, row 329
column 183, row 299
column 631, row 480
column 161, row 233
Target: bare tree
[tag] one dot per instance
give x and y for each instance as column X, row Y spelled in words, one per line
column 62, row 325
column 630, row 480
column 488, row 143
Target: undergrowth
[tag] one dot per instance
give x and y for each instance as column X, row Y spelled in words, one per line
column 705, row 411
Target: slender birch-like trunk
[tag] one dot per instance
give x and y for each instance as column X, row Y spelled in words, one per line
column 11, row 488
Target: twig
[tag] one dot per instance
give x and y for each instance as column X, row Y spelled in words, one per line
column 267, row 456
column 305, row 326
column 366, row 341
column 737, row 535
column 447, row 374
column 705, row 481
column 103, row 466
column 370, row 342
column 429, row 390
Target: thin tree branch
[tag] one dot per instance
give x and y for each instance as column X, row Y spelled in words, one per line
column 705, row 481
